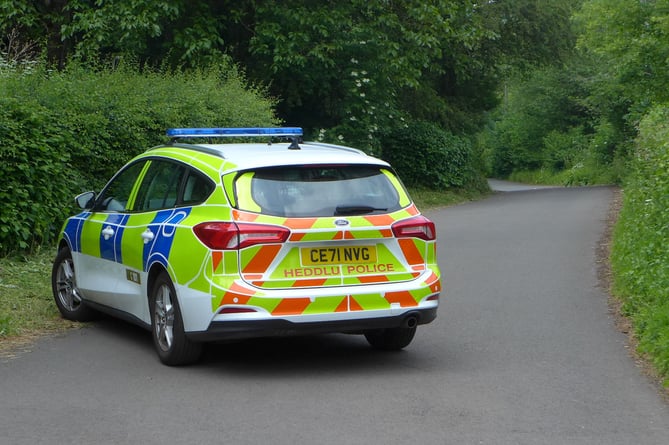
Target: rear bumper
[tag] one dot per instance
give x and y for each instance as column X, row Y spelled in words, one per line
column 241, row 329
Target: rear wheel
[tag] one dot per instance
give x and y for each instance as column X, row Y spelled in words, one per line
column 392, row 339
column 169, row 338
column 65, row 291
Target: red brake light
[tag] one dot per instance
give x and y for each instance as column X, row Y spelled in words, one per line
column 235, row 236
column 417, row 227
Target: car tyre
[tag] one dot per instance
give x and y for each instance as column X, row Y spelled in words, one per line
column 169, row 338
column 392, row 339
column 67, row 295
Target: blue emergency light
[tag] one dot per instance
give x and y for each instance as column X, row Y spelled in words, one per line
column 233, row 132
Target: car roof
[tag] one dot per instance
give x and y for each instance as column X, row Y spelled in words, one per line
column 257, row 155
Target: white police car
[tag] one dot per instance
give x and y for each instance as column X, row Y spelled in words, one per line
column 200, row 242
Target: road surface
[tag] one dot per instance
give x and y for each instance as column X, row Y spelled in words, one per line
column 524, row 351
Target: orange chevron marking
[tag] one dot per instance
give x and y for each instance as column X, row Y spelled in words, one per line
column 354, row 305
column 432, row 278
column 236, row 295
column 343, row 306
column 433, row 282
column 244, row 216
column 300, row 223
column 349, row 304
column 413, row 210
column 404, row 298
column 291, row 306
column 296, row 236
column 312, row 282
column 410, row 251
column 263, row 258
column 216, row 258
column 366, row 279
column 380, row 220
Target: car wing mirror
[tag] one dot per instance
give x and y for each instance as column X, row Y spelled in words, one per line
column 86, row 200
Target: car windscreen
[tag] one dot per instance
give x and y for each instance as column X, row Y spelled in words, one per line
column 316, row 191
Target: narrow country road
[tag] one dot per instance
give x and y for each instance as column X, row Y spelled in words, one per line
column 524, row 351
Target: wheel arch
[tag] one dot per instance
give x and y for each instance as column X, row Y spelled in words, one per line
column 62, row 244
column 154, row 271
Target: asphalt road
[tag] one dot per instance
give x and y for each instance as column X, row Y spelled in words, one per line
column 524, row 351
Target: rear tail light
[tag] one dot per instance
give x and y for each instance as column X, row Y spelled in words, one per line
column 417, row 227
column 235, row 236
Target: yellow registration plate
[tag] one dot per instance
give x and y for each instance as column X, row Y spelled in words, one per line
column 317, row 256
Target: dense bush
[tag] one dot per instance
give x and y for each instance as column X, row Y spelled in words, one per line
column 540, row 123
column 62, row 133
column 639, row 258
column 424, row 155
column 35, row 177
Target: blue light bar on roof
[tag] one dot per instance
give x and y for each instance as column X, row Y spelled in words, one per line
column 232, row 132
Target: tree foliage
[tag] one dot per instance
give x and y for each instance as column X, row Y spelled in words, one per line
column 616, row 71
column 353, row 67
column 627, row 41
column 539, row 122
column 532, row 33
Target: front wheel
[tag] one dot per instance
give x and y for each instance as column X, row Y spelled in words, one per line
column 67, row 295
column 169, row 338
column 392, row 339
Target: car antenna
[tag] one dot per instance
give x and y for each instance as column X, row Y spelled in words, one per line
column 294, row 143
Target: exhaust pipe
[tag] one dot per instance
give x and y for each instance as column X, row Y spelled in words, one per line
column 411, row 321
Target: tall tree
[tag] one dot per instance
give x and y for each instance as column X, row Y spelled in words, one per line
column 629, row 39
column 356, row 62
column 357, row 67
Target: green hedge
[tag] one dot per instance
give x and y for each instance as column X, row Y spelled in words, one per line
column 35, row 178
column 62, row 133
column 424, row 155
column 639, row 257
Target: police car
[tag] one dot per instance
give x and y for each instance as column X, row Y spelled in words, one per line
column 203, row 242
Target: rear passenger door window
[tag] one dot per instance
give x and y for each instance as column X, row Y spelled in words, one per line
column 160, row 187
column 197, row 188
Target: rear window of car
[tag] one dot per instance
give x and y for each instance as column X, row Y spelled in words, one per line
column 315, row 191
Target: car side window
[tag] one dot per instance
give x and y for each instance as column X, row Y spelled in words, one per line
column 196, row 189
column 160, row 187
column 116, row 195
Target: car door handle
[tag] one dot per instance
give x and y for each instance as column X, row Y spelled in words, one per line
column 107, row 232
column 147, row 236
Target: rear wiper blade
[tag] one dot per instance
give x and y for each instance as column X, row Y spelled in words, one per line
column 356, row 210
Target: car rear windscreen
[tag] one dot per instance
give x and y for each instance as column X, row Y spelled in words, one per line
column 316, row 191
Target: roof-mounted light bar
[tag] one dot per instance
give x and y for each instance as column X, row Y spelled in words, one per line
column 233, row 132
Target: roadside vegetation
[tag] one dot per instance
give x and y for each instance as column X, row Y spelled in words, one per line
column 26, row 301
column 640, row 259
column 568, row 92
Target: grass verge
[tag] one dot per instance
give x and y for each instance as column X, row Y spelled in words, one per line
column 27, row 309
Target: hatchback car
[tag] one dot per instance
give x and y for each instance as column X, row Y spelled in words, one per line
column 204, row 242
